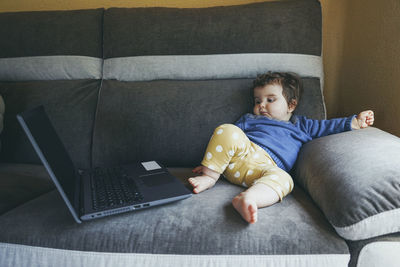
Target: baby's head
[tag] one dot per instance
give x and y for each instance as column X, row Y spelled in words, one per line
column 276, row 94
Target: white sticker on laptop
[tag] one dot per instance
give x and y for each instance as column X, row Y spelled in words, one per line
column 151, row 165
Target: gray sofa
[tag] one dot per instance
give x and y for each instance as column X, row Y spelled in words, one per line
column 137, row 84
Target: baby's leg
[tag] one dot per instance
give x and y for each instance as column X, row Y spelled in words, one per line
column 257, row 196
column 228, row 141
column 266, row 191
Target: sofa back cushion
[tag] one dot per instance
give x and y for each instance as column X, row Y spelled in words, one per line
column 51, row 58
column 173, row 75
column 2, row 108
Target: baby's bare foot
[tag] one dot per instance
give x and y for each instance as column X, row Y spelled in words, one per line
column 246, row 206
column 201, row 183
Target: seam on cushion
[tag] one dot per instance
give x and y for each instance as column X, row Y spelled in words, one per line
column 94, row 124
column 381, row 225
column 98, row 94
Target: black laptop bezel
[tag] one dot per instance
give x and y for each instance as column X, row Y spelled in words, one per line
column 73, row 207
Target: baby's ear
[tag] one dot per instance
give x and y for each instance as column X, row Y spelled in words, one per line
column 292, row 105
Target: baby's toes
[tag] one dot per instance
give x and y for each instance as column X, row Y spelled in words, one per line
column 253, row 214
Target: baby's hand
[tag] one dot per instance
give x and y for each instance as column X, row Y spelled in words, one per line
column 365, row 119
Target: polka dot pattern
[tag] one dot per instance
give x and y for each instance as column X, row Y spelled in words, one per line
column 242, row 162
column 287, row 185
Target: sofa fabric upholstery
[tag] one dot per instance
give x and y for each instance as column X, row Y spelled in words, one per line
column 51, row 45
column 376, row 251
column 174, row 139
column 20, row 183
column 51, row 33
column 71, row 105
column 291, row 27
column 354, row 178
column 2, row 109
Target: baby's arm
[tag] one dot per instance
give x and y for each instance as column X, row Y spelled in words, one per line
column 206, row 180
column 363, row 120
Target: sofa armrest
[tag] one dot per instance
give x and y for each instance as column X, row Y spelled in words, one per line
column 354, row 177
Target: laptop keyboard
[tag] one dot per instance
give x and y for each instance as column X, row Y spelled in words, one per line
column 111, row 187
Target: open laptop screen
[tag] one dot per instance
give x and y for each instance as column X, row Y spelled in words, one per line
column 50, row 149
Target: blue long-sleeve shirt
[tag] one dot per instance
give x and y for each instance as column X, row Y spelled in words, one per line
column 282, row 140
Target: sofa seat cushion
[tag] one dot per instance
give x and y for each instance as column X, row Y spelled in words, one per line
column 205, row 224
column 354, row 178
column 20, row 183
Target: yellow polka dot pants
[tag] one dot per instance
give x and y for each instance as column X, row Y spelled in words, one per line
column 244, row 163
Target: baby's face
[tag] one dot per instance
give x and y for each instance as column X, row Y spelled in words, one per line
column 270, row 102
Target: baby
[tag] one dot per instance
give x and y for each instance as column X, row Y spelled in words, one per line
column 261, row 148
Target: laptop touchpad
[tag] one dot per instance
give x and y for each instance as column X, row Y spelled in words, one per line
column 157, row 179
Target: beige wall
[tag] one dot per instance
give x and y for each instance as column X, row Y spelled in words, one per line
column 361, row 49
column 333, row 25
column 369, row 74
column 362, row 59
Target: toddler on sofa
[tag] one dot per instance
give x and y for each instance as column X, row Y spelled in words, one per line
column 261, row 148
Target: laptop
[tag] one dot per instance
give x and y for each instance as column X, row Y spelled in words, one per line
column 100, row 192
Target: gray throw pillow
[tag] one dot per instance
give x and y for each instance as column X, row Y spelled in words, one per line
column 2, row 109
column 354, row 177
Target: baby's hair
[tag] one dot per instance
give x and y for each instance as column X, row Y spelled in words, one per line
column 290, row 82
